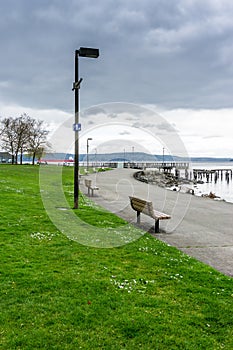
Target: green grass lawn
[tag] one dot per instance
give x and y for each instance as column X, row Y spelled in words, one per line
column 59, row 294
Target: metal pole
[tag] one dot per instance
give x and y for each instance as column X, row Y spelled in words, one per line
column 76, row 152
column 87, row 155
column 88, row 139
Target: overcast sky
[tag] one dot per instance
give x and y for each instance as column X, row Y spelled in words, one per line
column 172, row 55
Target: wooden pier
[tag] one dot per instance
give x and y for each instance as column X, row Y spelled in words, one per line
column 212, row 175
column 165, row 166
column 170, row 165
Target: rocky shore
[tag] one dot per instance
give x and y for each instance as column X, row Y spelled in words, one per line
column 160, row 178
column 170, row 181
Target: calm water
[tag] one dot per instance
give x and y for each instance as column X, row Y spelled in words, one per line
column 221, row 188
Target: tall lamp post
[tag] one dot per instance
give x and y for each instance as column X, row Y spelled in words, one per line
column 89, row 139
column 163, row 160
column 82, row 52
column 96, row 157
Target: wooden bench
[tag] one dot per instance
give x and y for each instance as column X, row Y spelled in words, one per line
column 146, row 207
column 90, row 188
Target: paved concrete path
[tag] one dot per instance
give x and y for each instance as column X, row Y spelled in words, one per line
column 200, row 227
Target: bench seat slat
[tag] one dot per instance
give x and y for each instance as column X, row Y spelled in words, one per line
column 161, row 216
column 146, row 207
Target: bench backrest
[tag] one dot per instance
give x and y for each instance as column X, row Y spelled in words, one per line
column 142, row 205
column 87, row 183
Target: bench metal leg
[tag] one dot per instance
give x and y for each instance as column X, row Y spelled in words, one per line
column 157, row 226
column 138, row 217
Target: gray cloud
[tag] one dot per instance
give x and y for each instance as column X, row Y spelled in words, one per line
column 165, row 127
column 112, row 115
column 212, row 137
column 144, row 125
column 170, row 53
column 124, row 133
column 95, row 110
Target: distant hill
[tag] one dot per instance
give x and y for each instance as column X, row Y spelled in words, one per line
column 209, row 159
column 132, row 157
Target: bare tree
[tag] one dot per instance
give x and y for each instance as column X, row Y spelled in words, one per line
column 22, row 134
column 9, row 136
column 37, row 143
column 24, row 126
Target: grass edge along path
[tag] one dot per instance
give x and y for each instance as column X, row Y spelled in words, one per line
column 58, row 294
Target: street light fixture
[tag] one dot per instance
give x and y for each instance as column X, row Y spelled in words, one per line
column 89, row 139
column 82, row 52
column 88, row 52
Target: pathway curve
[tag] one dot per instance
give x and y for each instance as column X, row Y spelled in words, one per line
column 200, row 227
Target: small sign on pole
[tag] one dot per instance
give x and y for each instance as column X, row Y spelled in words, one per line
column 77, row 127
